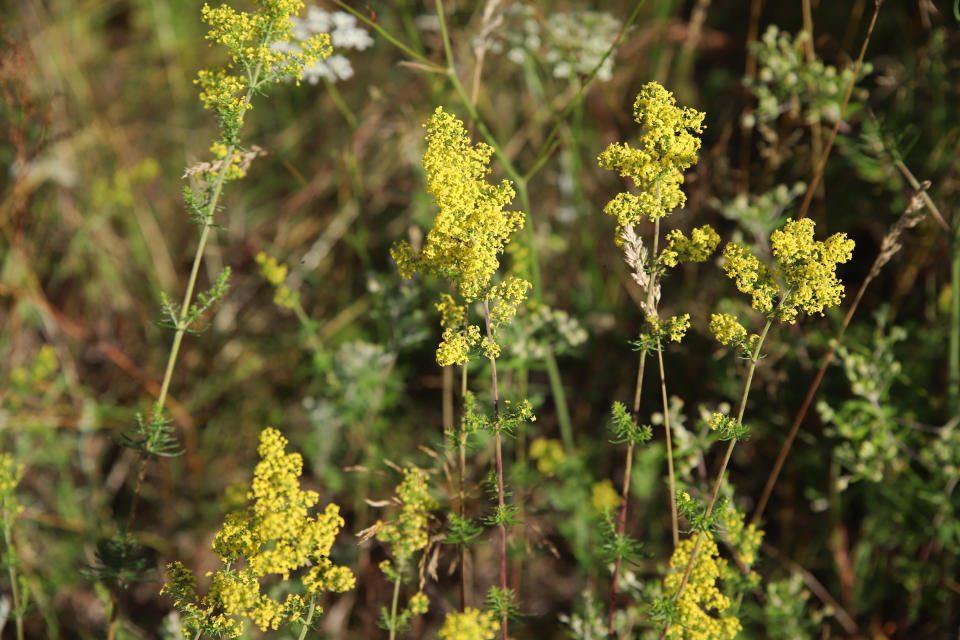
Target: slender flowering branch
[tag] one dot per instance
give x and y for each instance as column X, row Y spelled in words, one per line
column 755, row 358
column 668, row 146
column 248, row 39
column 889, row 246
column 501, row 526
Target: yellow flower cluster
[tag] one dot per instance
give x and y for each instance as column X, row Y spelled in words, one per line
column 698, row 247
column 408, row 532
column 673, row 329
column 469, row 233
column 507, row 296
column 809, row 266
column 806, row 269
column 701, row 596
column 275, row 535
column 726, row 329
column 603, row 497
column 10, row 476
column 276, row 274
column 419, row 603
column 470, row 624
column 456, row 344
column 666, row 149
column 237, row 168
column 548, row 454
column 751, row 276
column 248, row 38
column 452, row 314
column 472, row 229
column 744, row 539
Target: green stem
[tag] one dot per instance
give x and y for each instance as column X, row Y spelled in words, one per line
column 386, row 34
column 559, row 397
column 674, row 527
column 227, row 162
column 499, row 450
column 12, row 572
column 666, row 425
column 463, row 466
column 755, row 358
column 310, row 612
column 340, row 103
column 393, row 608
column 635, row 414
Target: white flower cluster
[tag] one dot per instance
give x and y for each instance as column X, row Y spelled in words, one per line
column 546, row 330
column 572, row 42
column 786, row 80
column 344, row 34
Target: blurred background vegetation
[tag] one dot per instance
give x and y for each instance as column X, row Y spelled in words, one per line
column 100, row 119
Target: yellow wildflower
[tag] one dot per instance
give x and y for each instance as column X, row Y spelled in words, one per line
column 666, row 149
column 726, row 329
column 452, row 314
column 275, row 273
column 701, row 596
column 468, row 235
column 548, row 454
column 806, row 269
column 751, row 276
column 408, row 532
column 272, row 271
column 603, row 497
column 470, row 624
column 744, row 539
column 455, row 345
column 253, row 61
column 419, row 603
column 471, row 229
column 274, row 535
column 698, row 247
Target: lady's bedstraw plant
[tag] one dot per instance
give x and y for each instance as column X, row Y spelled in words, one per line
column 227, row 91
column 668, row 146
column 10, row 475
column 469, row 233
column 407, row 534
column 802, row 280
column 274, row 536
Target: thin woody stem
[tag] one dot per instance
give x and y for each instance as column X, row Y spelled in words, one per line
column 878, row 264
column 306, row 624
column 808, row 197
column 500, row 502
column 723, row 468
column 463, row 464
column 666, row 425
column 635, row 414
column 393, row 608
